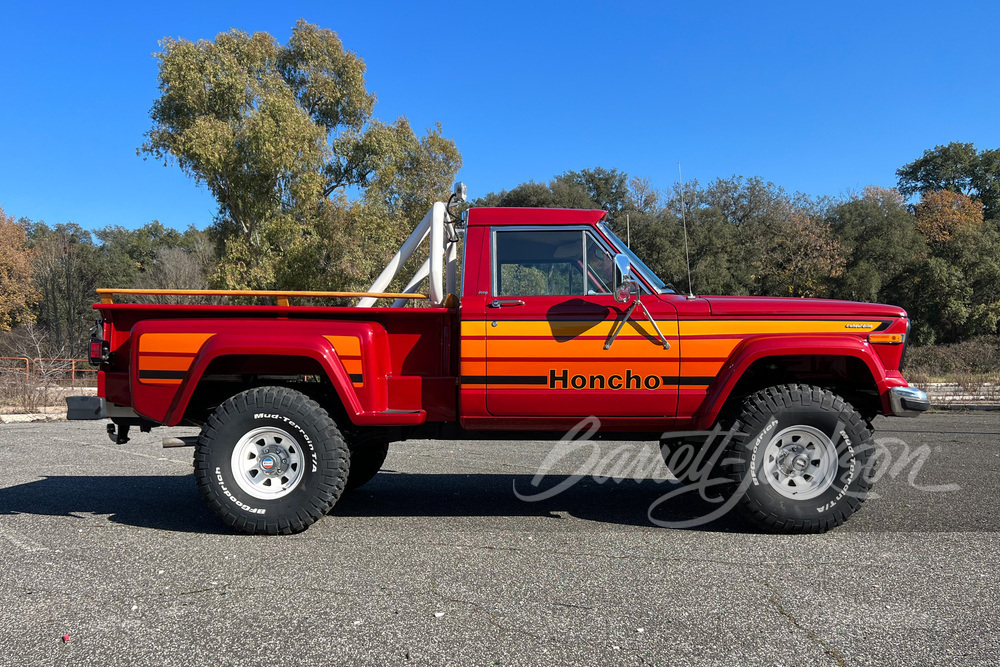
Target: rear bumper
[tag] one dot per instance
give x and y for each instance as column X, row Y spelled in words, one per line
column 86, row 407
column 908, row 401
column 95, row 407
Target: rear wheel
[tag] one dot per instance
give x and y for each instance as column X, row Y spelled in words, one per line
column 805, row 463
column 271, row 460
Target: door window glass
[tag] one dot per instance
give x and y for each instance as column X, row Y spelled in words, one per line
column 539, row 263
column 600, row 267
column 551, row 263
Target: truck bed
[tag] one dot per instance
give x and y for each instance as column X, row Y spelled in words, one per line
column 417, row 362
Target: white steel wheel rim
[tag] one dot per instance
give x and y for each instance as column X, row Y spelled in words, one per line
column 800, row 462
column 267, row 463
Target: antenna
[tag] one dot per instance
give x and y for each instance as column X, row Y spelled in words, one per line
column 687, row 253
column 628, row 232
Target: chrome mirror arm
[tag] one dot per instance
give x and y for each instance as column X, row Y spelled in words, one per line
column 618, row 326
column 627, row 314
column 626, row 287
column 663, row 339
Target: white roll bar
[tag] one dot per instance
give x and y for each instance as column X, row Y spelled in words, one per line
column 442, row 242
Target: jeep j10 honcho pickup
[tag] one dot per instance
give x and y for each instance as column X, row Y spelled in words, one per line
column 552, row 319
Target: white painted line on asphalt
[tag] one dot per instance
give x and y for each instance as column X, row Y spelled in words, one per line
column 22, row 543
column 122, row 450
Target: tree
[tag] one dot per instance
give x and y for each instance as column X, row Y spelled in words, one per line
column 17, row 293
column 130, row 253
column 950, row 285
column 770, row 243
column 555, row 194
column 972, row 255
column 607, row 188
column 957, row 167
column 717, row 262
column 941, row 214
column 275, row 132
column 798, row 256
column 747, row 202
column 68, row 267
column 598, row 188
column 184, row 262
column 349, row 243
column 880, row 242
column 644, row 197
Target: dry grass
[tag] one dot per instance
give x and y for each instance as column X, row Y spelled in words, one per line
column 974, row 360
column 970, row 371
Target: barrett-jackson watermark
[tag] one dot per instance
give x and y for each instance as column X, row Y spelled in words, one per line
column 694, row 457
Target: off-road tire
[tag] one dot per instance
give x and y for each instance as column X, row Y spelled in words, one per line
column 805, row 463
column 366, row 461
column 271, row 460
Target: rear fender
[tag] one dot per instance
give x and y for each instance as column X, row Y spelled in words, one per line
column 353, row 355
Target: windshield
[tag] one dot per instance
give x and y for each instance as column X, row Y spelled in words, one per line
column 634, row 260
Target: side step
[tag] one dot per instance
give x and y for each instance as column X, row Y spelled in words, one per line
column 391, row 417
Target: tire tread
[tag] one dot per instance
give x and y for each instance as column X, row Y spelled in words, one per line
column 332, row 471
column 755, row 410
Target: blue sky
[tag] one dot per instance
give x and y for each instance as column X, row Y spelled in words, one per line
column 821, row 98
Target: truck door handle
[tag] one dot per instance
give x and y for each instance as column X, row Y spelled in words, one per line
column 497, row 303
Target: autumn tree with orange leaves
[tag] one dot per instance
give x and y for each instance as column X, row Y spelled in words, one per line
column 17, row 293
column 941, row 214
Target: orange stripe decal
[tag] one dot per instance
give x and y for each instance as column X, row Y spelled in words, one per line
column 348, row 349
column 165, row 358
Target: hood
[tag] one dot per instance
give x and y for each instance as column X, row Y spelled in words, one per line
column 722, row 306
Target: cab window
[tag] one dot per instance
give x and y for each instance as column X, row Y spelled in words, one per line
column 550, row 263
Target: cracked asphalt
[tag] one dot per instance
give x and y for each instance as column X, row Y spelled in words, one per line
column 438, row 561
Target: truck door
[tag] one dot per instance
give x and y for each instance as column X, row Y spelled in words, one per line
column 548, row 319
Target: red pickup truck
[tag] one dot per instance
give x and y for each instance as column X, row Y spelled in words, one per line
column 554, row 320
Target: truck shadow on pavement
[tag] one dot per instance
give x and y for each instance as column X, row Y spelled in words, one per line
column 172, row 503
column 492, row 495
column 898, row 509
column 167, row 502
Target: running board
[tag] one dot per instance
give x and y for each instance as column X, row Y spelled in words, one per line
column 391, row 417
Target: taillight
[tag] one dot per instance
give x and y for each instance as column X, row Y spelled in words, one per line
column 100, row 350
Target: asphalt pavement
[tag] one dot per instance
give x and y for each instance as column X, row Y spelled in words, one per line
column 452, row 556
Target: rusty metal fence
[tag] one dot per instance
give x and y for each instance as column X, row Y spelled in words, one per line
column 50, row 371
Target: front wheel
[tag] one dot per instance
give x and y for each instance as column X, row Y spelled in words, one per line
column 804, row 465
column 271, row 460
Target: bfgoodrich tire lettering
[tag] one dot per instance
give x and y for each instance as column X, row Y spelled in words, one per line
column 805, row 463
column 271, row 460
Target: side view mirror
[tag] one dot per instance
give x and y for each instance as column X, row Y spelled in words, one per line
column 624, row 284
column 625, row 287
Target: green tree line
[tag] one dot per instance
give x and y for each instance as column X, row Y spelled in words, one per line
column 939, row 258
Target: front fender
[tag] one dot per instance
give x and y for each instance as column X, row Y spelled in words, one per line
column 754, row 349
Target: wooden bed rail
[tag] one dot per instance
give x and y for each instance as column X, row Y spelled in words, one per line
column 282, row 296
